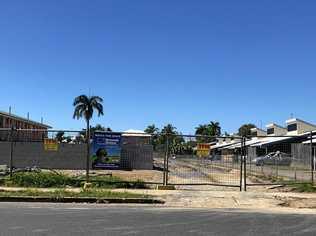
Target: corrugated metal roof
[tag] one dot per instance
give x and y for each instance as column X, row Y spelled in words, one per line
column 271, row 140
column 248, row 143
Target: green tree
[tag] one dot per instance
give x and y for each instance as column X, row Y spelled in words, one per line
column 168, row 130
column 151, row 129
column 202, row 130
column 215, row 129
column 211, row 129
column 98, row 127
column 245, row 129
column 80, row 139
column 68, row 139
column 226, row 134
column 60, row 136
column 154, row 132
column 176, row 141
column 84, row 108
column 177, row 145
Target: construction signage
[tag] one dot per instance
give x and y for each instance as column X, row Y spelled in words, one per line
column 203, row 149
column 106, row 150
column 50, row 145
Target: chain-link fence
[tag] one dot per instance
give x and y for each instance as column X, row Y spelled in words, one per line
column 66, row 151
column 272, row 159
column 165, row 158
column 191, row 161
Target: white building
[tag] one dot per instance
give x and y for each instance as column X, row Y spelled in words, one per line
column 275, row 130
column 297, row 127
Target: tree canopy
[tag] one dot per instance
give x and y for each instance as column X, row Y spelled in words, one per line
column 212, row 129
column 245, row 129
column 85, row 106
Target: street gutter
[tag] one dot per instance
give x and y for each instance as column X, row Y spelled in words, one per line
column 82, row 200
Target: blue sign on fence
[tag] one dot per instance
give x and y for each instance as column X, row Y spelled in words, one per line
column 106, row 150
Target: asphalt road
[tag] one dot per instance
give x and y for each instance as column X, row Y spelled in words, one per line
column 70, row 219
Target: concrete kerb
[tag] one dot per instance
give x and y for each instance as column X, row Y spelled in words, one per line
column 98, row 200
column 82, row 200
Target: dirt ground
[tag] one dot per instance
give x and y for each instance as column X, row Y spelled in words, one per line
column 152, row 176
column 263, row 198
column 260, row 199
column 227, row 198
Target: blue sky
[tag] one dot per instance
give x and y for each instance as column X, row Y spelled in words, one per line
column 173, row 61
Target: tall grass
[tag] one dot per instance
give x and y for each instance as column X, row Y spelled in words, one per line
column 56, row 180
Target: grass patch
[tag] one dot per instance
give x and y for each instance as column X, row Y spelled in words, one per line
column 93, row 193
column 303, row 187
column 56, row 180
column 267, row 178
column 116, row 182
column 42, row 180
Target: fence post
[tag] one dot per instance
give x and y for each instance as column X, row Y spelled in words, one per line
column 312, row 158
column 277, row 168
column 165, row 161
column 241, row 164
column 11, row 152
column 167, row 170
column 245, row 165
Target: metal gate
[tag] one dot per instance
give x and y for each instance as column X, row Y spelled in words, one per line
column 194, row 162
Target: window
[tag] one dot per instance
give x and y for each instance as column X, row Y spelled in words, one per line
column 292, row 127
column 270, row 131
column 254, row 133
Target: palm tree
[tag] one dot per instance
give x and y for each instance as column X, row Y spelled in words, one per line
column 215, row 128
column 245, row 129
column 152, row 129
column 202, row 130
column 169, row 129
column 154, row 132
column 60, row 136
column 211, row 129
column 84, row 108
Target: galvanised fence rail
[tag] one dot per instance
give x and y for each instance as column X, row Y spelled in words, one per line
column 190, row 161
column 168, row 159
column 281, row 159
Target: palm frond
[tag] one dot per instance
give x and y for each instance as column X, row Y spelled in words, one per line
column 82, row 99
column 79, row 109
column 99, row 108
column 85, row 106
column 96, row 98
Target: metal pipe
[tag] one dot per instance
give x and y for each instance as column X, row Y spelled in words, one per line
column 11, row 153
column 241, row 165
column 312, row 158
column 166, row 167
column 245, row 166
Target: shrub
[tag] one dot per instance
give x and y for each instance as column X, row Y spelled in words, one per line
column 56, row 180
column 304, row 188
column 44, row 180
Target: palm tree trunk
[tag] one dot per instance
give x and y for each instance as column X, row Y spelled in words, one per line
column 88, row 151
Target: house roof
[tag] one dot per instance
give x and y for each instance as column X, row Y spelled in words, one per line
column 12, row 116
column 299, row 120
column 272, row 140
column 309, row 141
column 271, row 125
column 135, row 133
column 248, row 143
column 224, row 145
